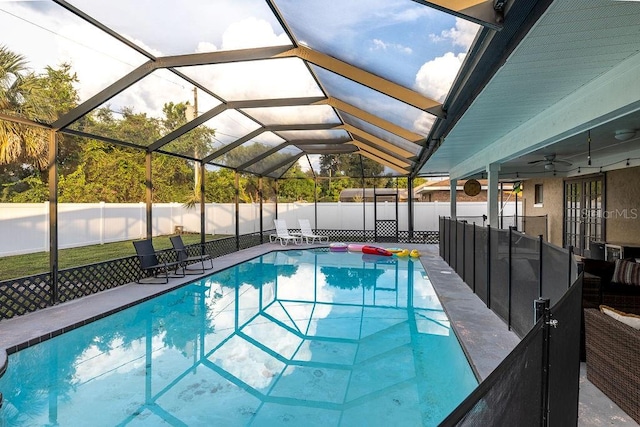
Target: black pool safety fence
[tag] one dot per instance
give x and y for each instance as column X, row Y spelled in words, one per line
column 507, row 269
column 534, row 224
column 535, row 288
column 27, row 294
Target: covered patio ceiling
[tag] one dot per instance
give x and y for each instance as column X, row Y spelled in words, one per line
column 566, row 92
column 272, row 82
column 421, row 87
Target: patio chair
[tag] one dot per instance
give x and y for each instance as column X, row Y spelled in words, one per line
column 185, row 259
column 149, row 262
column 308, row 234
column 282, row 234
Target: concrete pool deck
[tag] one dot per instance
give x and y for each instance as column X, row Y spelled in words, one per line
column 483, row 334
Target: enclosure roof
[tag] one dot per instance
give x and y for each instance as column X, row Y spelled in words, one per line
column 267, row 83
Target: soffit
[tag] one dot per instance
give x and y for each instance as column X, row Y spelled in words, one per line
column 572, row 45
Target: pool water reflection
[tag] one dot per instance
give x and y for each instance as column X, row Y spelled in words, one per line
column 289, row 338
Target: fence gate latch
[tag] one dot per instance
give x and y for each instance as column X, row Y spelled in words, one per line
column 553, row 323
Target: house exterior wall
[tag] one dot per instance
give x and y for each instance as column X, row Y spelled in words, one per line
column 622, row 194
column 622, row 208
column 552, row 199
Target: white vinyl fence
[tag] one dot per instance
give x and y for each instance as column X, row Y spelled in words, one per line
column 24, row 227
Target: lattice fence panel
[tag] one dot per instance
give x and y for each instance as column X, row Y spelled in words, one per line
column 27, row 294
column 347, row 235
column 220, row 247
column 249, row 240
column 24, row 295
column 90, row 279
column 387, row 230
column 422, row 237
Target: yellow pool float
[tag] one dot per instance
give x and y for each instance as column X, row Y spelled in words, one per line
column 403, row 253
column 414, row 253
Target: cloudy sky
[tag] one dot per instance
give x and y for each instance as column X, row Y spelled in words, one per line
column 410, row 44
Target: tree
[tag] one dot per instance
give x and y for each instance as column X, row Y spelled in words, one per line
column 196, row 143
column 23, row 148
column 16, row 84
column 349, row 165
column 38, row 98
column 329, row 164
column 221, row 186
column 108, row 173
column 296, row 186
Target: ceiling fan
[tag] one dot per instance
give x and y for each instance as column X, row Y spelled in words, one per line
column 550, row 161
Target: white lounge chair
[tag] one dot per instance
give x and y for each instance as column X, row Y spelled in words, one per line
column 282, row 234
column 308, row 234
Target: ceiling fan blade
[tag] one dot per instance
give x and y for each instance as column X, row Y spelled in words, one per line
column 562, row 162
column 533, row 162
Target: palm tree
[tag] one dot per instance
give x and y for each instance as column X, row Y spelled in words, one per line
column 20, row 92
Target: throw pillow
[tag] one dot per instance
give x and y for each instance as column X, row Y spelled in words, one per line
column 626, row 273
column 626, row 318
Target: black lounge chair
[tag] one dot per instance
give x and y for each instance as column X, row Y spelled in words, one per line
column 149, row 262
column 185, row 259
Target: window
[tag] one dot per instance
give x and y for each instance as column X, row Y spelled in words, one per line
column 538, row 194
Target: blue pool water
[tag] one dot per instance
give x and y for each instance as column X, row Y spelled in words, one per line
column 287, row 339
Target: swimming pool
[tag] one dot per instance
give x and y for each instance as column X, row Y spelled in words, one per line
column 300, row 337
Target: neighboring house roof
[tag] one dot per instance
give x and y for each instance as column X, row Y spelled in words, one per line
column 350, row 193
column 445, row 185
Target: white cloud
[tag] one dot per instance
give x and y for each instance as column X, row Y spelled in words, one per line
column 250, row 33
column 206, row 47
column 263, row 79
column 461, row 35
column 99, row 60
column 52, row 39
column 434, row 79
column 247, row 361
column 231, row 78
column 315, row 162
column 96, row 363
column 381, row 45
column 424, row 123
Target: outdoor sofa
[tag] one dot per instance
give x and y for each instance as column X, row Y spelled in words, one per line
column 613, row 358
column 620, row 289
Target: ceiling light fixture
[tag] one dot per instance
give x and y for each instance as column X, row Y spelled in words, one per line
column 625, row 134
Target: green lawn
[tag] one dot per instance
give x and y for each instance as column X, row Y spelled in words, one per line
column 31, row 264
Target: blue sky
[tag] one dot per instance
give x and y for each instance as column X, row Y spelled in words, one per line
column 397, row 39
column 392, row 38
column 403, row 41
